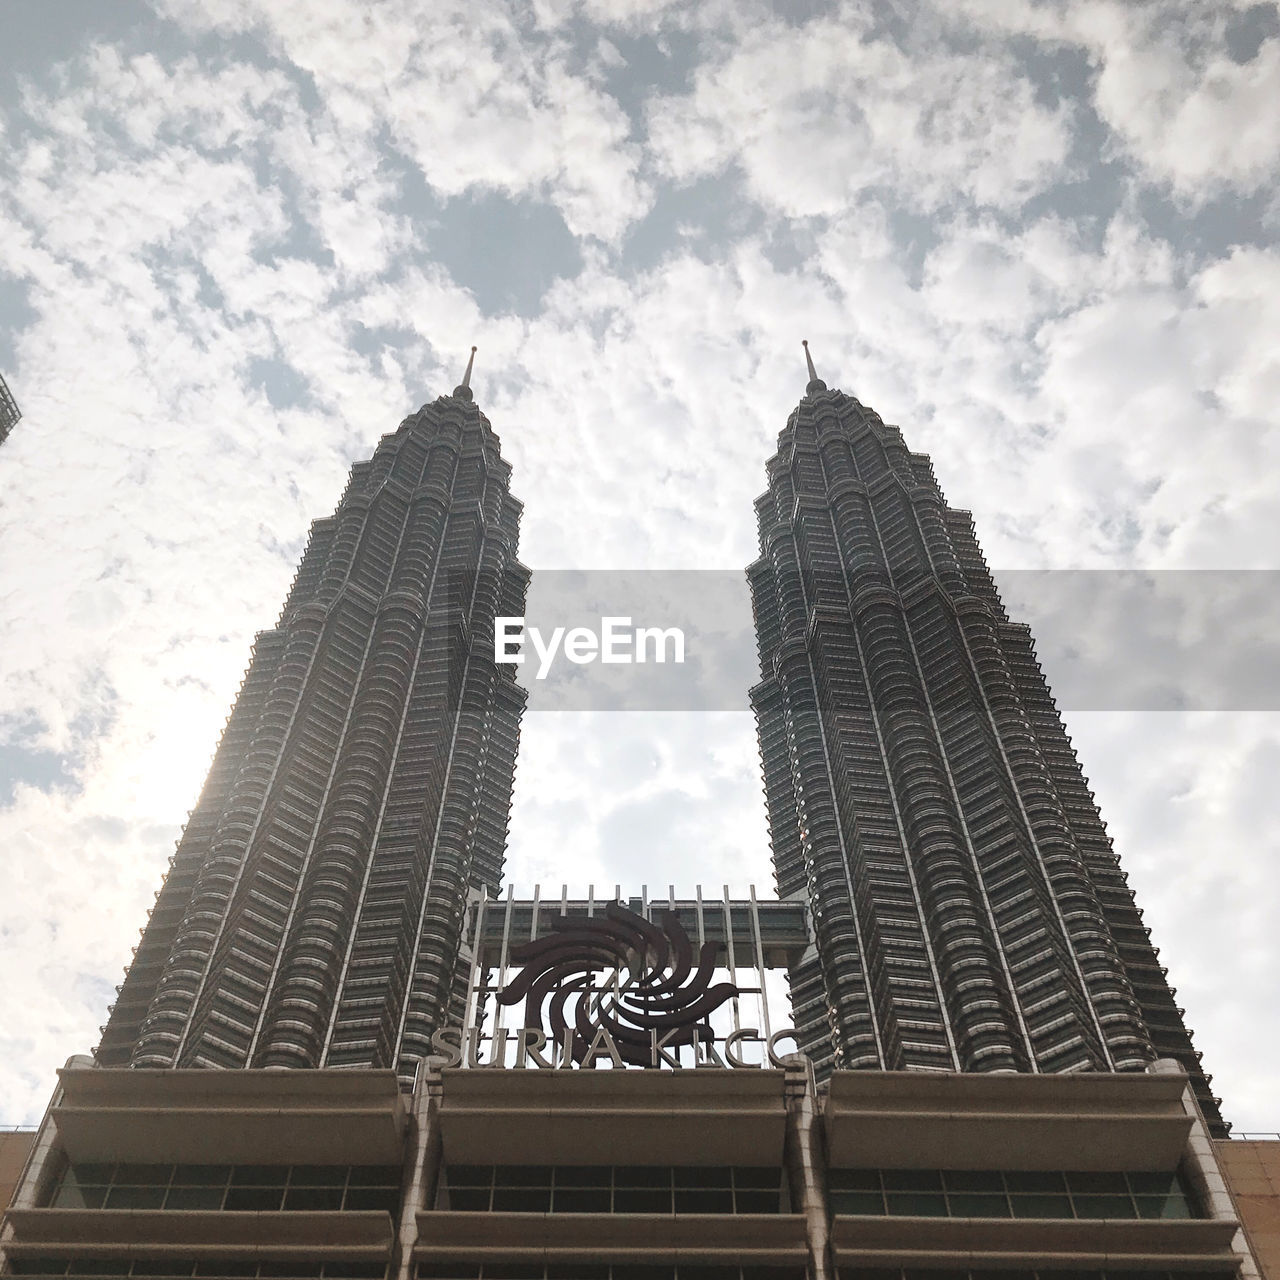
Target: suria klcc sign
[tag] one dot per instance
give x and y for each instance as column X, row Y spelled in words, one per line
column 617, row 990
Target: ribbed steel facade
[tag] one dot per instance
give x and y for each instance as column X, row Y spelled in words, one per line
column 312, row 915
column 923, row 796
column 9, row 411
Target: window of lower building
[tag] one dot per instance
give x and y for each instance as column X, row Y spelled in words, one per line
column 251, row 1188
column 186, row 1268
column 540, row 1270
column 992, row 1194
column 859, row 1273
column 610, row 1189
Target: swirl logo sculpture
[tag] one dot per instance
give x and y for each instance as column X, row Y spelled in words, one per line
column 622, row 974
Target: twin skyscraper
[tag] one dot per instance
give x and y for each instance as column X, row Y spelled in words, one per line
column 966, row 912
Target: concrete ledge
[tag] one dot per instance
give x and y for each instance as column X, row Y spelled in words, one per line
column 708, row 1116
column 928, row 1120
column 231, row 1117
column 640, row 1237
column 165, row 1233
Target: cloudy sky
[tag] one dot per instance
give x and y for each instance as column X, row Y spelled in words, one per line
column 240, row 239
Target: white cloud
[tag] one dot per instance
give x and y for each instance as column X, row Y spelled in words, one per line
column 473, row 101
column 817, row 114
column 1183, row 795
column 1178, row 105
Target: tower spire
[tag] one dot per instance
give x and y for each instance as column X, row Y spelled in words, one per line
column 463, row 389
column 815, row 382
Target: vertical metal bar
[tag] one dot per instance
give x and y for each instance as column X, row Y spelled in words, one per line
column 475, row 1014
column 733, row 968
column 591, row 900
column 702, row 927
column 759, row 945
column 537, row 908
column 499, row 1010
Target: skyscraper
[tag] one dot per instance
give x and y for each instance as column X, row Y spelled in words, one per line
column 312, row 913
column 923, row 796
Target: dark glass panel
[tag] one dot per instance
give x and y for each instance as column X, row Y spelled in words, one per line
column 627, row 1200
column 98, row 1267
column 758, row 1201
column 710, row 1176
column 361, row 1198
column 194, row 1198
column 161, row 1267
column 236, row 1267
column 642, row 1176
column 1153, row 1184
column 640, row 1271
column 39, row 1266
column 522, row 1175
column 254, row 1199
column 1040, row 1206
column 96, row 1174
column 796, row 1272
column 318, row 1175
column 201, row 1175
column 695, row 1271
column 71, row 1196
column 583, row 1175
column 131, row 1197
column 917, row 1203
column 1103, row 1206
column 857, row 1202
column 468, row 1199
column 448, row 1271
column 357, row 1270
column 459, row 1175
column 763, row 1179
column 966, row 1204
column 143, row 1175
column 1098, row 1183
column 1162, row 1207
column 854, row 1179
column 1034, row 1182
column 577, row 1271
column 973, row 1180
column 522, row 1200
column 911, row 1179
column 513, row 1271
column 259, row 1175
column 313, row 1198
column 688, row 1201
column 386, row 1175
column 581, row 1200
